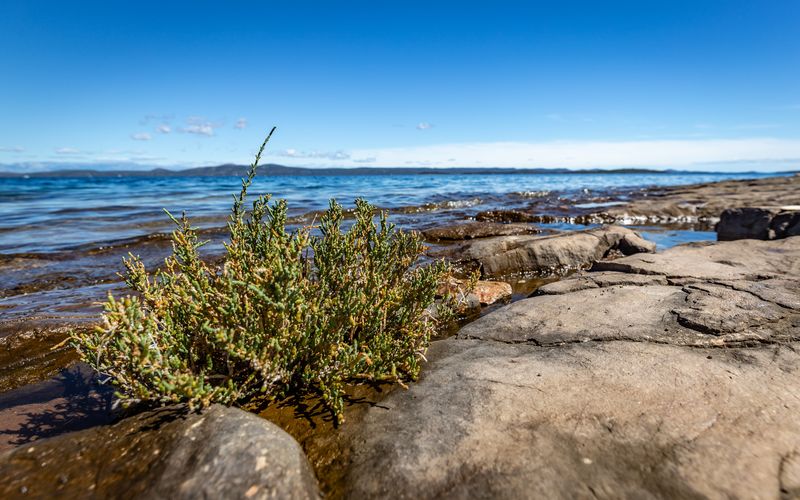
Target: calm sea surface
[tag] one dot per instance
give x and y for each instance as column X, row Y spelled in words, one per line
column 41, row 215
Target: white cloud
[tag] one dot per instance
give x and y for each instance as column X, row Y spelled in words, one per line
column 11, row 149
column 695, row 154
column 141, row 136
column 206, row 130
column 200, row 126
column 333, row 155
column 424, row 126
column 240, row 123
column 163, row 129
column 67, row 151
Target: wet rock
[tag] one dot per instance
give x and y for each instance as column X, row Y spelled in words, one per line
column 758, row 224
column 72, row 400
column 506, row 216
column 168, row 453
column 556, row 254
column 34, row 328
column 471, row 230
column 489, row 292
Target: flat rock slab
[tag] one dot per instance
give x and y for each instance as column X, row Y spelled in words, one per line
column 673, row 376
column 528, row 254
column 168, row 453
column 737, row 260
column 588, row 420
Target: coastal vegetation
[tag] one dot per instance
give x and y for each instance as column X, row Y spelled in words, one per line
column 286, row 313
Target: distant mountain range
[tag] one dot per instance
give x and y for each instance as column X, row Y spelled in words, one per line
column 273, row 169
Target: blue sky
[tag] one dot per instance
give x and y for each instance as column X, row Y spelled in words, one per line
column 699, row 85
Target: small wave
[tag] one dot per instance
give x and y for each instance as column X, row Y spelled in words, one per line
column 439, row 205
column 531, row 194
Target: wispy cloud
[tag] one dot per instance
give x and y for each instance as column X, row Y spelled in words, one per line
column 371, row 159
column 333, row 155
column 163, row 129
column 141, row 136
column 424, row 126
column 11, row 149
column 685, row 153
column 240, row 124
column 67, row 151
column 200, row 126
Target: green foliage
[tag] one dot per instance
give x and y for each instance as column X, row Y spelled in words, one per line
column 286, row 314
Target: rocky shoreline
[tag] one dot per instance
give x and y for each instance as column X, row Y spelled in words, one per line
column 637, row 374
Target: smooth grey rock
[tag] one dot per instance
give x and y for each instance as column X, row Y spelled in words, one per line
column 608, row 385
column 167, row 453
column 597, row 280
column 555, row 254
column 734, row 260
column 587, row 420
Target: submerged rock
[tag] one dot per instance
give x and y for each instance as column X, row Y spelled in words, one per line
column 490, row 292
column 506, row 255
column 167, row 453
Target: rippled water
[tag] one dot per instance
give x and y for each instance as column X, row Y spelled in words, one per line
column 56, row 214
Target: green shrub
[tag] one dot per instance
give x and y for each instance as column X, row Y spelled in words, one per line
column 286, row 314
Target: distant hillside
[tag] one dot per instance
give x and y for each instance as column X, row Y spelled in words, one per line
column 273, row 169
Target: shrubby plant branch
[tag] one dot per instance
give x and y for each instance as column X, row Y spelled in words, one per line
column 286, row 314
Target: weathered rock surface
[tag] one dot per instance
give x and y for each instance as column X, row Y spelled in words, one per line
column 706, row 202
column 608, row 384
column 758, row 223
column 167, row 453
column 555, row 254
column 471, row 230
column 750, row 260
column 587, row 420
